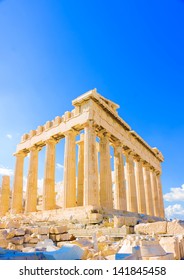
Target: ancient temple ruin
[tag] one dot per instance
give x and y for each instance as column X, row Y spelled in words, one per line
column 137, row 166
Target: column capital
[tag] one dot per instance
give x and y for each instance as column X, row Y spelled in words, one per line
column 22, row 153
column 35, row 148
column 146, row 164
column 136, row 157
column 152, row 169
column 104, row 134
column 127, row 151
column 51, row 140
column 117, row 144
column 89, row 123
column 71, row 132
column 158, row 173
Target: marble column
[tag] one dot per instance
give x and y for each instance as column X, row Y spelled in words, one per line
column 49, row 199
column 120, row 184
column 5, row 195
column 154, row 193
column 32, row 178
column 160, row 194
column 80, row 181
column 141, row 202
column 17, row 193
column 91, row 193
column 131, row 185
column 148, row 191
column 106, row 199
column 70, row 198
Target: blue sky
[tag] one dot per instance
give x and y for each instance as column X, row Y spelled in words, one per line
column 131, row 51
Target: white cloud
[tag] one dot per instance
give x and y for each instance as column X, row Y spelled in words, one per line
column 9, row 136
column 175, row 211
column 176, row 194
column 4, row 171
column 59, row 166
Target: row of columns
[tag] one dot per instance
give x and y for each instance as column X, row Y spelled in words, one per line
column 137, row 185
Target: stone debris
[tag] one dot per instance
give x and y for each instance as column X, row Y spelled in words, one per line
column 119, row 237
column 150, row 228
column 175, row 227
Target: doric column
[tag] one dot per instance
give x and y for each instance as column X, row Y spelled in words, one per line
column 91, row 193
column 70, row 170
column 141, row 202
column 17, row 194
column 106, row 199
column 49, row 199
column 32, row 178
column 120, row 185
column 148, row 191
column 80, row 181
column 154, row 189
column 5, row 195
column 131, row 185
column 160, row 195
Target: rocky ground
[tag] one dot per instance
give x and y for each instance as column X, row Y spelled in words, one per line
column 100, row 237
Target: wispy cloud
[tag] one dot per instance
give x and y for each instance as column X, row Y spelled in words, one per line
column 9, row 136
column 4, row 171
column 176, row 194
column 59, row 166
column 175, row 211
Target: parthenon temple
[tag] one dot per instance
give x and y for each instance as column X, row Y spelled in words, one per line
column 105, row 143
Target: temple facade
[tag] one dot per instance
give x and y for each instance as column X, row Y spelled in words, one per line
column 102, row 136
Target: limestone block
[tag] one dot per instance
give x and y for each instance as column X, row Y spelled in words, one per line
column 3, row 243
column 175, row 227
column 11, row 246
column 42, row 237
column 31, row 230
column 151, row 249
column 67, row 237
column 19, row 232
column 130, row 221
column 58, row 237
column 33, row 240
column 13, row 224
column 10, row 234
column 171, row 245
column 150, row 228
column 119, row 221
column 95, row 218
column 58, row 229
column 168, row 256
column 26, row 245
column 83, row 242
column 43, row 230
column 181, row 245
column 126, row 230
column 17, row 240
column 2, row 225
column 19, row 247
column 27, row 238
column 3, row 234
